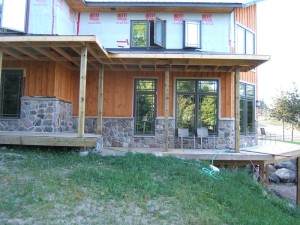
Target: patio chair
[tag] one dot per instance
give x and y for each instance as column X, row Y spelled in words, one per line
column 184, row 133
column 202, row 133
column 263, row 136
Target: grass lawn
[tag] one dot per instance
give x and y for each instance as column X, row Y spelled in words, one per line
column 42, row 186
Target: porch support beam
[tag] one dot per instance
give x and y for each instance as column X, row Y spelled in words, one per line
column 82, row 91
column 298, row 182
column 167, row 97
column 100, row 100
column 1, row 59
column 237, row 110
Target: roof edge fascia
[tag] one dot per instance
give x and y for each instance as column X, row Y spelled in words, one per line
column 166, row 4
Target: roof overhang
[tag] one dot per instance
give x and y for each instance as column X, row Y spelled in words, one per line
column 67, row 51
column 220, row 6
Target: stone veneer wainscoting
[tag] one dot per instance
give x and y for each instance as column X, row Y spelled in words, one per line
column 41, row 114
column 119, row 132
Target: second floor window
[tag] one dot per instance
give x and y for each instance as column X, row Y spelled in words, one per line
column 146, row 33
column 245, row 41
column 192, row 34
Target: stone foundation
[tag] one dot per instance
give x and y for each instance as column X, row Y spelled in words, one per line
column 41, row 114
column 119, row 132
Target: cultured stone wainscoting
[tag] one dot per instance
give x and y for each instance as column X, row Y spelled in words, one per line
column 226, row 135
column 119, row 132
column 41, row 114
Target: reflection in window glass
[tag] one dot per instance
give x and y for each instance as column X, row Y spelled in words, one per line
column 186, row 86
column 139, row 34
column 240, row 40
column 250, row 90
column 186, row 111
column 245, row 41
column 197, row 104
column 11, row 93
column 247, row 108
column 208, row 86
column 145, row 103
column 208, row 112
column 249, row 42
column 192, row 34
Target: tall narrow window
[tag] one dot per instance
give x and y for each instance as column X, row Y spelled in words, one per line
column 192, row 34
column 247, row 108
column 11, row 92
column 197, row 104
column 145, row 106
column 160, row 32
column 245, row 41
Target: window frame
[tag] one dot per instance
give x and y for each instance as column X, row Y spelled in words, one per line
column 132, row 22
column 188, row 26
column 242, row 37
column 197, row 96
column 20, row 93
column 154, row 94
column 247, row 98
column 152, row 30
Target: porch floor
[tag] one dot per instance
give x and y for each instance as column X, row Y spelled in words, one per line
column 48, row 139
column 267, row 153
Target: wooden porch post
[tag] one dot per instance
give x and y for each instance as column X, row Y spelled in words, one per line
column 81, row 111
column 298, row 182
column 237, row 110
column 166, row 129
column 100, row 100
column 1, row 59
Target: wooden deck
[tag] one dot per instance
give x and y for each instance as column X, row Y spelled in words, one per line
column 267, row 153
column 48, row 139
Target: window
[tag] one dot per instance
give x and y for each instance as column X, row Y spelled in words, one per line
column 192, row 34
column 13, row 19
column 146, row 34
column 245, row 41
column 145, row 106
column 247, row 108
column 196, row 104
column 11, row 92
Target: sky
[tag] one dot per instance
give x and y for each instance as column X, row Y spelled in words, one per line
column 278, row 22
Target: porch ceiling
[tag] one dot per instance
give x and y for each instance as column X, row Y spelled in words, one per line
column 67, row 51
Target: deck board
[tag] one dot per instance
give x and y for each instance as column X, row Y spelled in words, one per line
column 266, row 153
column 48, row 139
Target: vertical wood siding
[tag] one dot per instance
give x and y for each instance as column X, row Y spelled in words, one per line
column 40, row 76
column 247, row 17
column 53, row 80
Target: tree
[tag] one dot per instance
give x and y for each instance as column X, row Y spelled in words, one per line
column 286, row 108
column 294, row 98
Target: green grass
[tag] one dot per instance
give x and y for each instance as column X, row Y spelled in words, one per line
column 42, row 186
